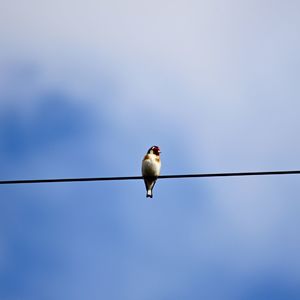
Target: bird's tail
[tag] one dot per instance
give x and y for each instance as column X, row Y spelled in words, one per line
column 149, row 183
column 149, row 194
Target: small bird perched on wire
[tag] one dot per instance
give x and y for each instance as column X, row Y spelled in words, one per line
column 151, row 169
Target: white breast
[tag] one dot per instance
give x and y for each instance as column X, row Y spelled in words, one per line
column 150, row 166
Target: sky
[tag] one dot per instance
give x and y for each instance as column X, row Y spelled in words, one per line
column 86, row 87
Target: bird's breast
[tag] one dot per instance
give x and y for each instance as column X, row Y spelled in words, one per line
column 151, row 167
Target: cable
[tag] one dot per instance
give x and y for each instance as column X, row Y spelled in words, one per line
column 159, row 177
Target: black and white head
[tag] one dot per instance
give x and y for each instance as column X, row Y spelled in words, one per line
column 154, row 150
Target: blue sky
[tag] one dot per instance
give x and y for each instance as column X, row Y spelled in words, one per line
column 86, row 87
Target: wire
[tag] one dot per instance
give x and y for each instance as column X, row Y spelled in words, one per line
column 159, row 177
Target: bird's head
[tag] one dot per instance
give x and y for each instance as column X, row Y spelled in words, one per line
column 154, row 150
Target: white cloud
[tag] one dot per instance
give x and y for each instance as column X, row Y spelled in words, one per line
column 220, row 77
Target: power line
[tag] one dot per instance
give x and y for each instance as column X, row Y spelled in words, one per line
column 232, row 174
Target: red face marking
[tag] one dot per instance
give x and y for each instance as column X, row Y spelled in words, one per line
column 156, row 150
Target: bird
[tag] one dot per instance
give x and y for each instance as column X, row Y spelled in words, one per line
column 151, row 165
